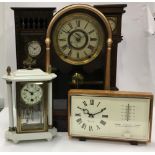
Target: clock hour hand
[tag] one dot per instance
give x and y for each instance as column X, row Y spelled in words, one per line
column 78, row 35
column 29, row 91
column 85, row 111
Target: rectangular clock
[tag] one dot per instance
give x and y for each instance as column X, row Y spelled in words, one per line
column 113, row 115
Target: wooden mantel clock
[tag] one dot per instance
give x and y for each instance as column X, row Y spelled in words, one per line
column 30, row 92
column 79, row 41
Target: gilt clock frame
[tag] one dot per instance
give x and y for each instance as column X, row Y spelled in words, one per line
column 108, row 42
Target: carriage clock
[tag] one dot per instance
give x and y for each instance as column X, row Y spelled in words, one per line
column 30, row 31
column 110, row 115
column 30, row 91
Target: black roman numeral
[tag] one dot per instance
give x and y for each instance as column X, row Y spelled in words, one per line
column 91, row 47
column 91, row 31
column 90, row 128
column 78, row 114
column 77, row 55
column 64, row 31
column 83, row 126
column 84, row 102
column 91, row 102
column 93, row 39
column 103, row 122
column 70, row 52
column 64, row 47
column 78, row 23
column 62, row 39
column 70, row 25
column 79, row 120
column 104, row 116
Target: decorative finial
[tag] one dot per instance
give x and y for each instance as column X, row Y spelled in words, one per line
column 8, row 70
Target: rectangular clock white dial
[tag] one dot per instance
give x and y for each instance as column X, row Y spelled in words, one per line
column 110, row 117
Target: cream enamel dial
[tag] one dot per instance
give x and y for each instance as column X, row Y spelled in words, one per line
column 109, row 117
column 78, row 38
column 31, row 93
column 34, row 48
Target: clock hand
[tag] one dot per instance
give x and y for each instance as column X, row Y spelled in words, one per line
column 32, row 47
column 78, row 35
column 98, row 112
column 85, row 111
column 77, row 38
column 29, row 92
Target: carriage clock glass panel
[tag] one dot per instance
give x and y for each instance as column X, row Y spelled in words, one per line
column 78, row 38
column 34, row 48
column 31, row 106
column 110, row 117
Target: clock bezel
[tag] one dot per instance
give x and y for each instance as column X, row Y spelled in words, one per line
column 108, row 93
column 96, row 24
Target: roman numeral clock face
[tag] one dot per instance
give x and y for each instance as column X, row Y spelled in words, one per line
column 88, row 116
column 78, row 38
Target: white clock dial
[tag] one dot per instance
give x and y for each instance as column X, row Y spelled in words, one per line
column 109, row 117
column 34, row 48
column 31, row 93
column 78, row 38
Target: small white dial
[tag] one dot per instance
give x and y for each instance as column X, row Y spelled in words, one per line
column 34, row 48
column 31, row 93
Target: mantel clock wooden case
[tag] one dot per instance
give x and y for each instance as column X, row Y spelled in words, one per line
column 79, row 40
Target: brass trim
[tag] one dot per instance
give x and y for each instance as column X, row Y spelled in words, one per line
column 109, row 40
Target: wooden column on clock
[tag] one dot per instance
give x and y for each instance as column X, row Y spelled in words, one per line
column 30, row 31
column 114, row 12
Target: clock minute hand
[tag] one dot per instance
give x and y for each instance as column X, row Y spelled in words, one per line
column 99, row 112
